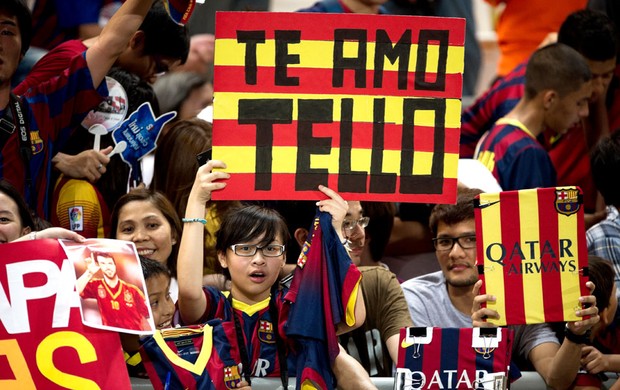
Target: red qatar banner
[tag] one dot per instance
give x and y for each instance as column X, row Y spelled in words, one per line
column 43, row 343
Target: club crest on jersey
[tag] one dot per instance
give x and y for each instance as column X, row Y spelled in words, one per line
column 36, row 142
column 567, row 201
column 101, row 292
column 265, row 332
column 128, row 299
column 231, row 377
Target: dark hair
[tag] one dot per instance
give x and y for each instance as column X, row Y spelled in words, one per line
column 297, row 214
column 605, row 164
column 591, row 33
column 379, row 228
column 162, row 203
column 20, row 10
column 556, row 67
column 152, row 268
column 247, row 223
column 107, row 255
column 602, row 274
column 451, row 214
column 162, row 35
column 25, row 216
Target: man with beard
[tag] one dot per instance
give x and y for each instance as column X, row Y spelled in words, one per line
column 121, row 304
column 446, row 298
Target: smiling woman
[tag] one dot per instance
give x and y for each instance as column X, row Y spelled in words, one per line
column 148, row 219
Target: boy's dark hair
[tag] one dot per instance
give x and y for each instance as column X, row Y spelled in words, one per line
column 605, row 162
column 602, row 274
column 248, row 223
column 591, row 33
column 451, row 214
column 20, row 10
column 556, row 67
column 152, row 268
column 297, row 214
column 25, row 215
column 162, row 35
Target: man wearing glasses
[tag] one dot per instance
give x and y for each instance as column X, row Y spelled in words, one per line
column 446, row 298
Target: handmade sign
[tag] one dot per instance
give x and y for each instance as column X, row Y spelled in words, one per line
column 366, row 104
column 452, row 358
column 43, row 343
column 532, row 254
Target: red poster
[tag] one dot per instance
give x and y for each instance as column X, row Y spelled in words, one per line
column 43, row 343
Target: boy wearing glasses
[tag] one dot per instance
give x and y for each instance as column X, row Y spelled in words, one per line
column 448, row 298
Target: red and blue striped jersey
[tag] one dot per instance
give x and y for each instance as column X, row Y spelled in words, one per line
column 197, row 357
column 450, row 358
column 52, row 110
column 494, row 104
column 515, row 158
column 568, row 153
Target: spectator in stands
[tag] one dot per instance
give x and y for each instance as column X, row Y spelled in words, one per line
column 510, row 150
column 53, row 107
column 17, row 223
column 377, row 232
column 375, row 343
column 603, row 354
column 592, row 34
column 447, row 299
column 186, row 93
column 604, row 238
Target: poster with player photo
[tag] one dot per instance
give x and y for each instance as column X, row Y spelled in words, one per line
column 111, row 286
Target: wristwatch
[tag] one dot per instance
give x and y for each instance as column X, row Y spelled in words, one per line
column 576, row 338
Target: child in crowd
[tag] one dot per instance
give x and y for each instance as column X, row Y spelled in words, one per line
column 251, row 247
column 157, row 279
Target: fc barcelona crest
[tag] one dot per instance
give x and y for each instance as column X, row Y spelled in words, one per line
column 265, row 332
column 231, row 377
column 567, row 200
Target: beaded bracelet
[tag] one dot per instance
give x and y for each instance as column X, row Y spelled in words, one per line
column 201, row 220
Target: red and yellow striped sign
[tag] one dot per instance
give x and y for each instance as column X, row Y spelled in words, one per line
column 366, row 104
column 532, row 254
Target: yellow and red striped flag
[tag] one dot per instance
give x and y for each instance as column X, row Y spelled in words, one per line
column 366, row 104
column 532, row 253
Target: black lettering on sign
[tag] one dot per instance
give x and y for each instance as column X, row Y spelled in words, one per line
column 264, row 113
column 251, row 39
column 380, row 182
column 283, row 58
column 312, row 111
column 357, row 64
column 422, row 184
column 425, row 38
column 348, row 180
column 399, row 52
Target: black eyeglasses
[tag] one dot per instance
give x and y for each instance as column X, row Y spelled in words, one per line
column 467, row 241
column 349, row 224
column 247, row 250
